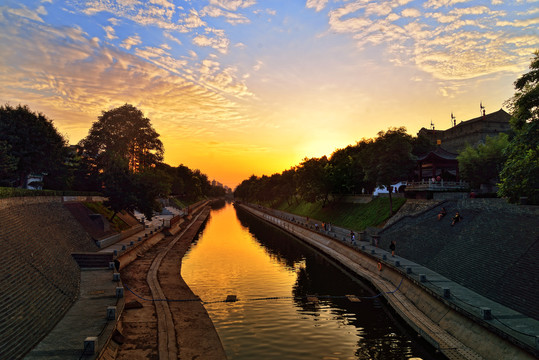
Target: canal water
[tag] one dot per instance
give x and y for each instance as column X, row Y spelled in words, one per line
column 271, row 273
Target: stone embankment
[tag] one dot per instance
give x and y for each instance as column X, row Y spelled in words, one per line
column 38, row 277
column 151, row 327
column 459, row 322
column 60, row 294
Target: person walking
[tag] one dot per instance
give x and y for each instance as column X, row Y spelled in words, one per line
column 392, row 247
column 456, row 218
column 442, row 213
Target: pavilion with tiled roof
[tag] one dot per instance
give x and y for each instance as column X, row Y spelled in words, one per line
column 438, row 162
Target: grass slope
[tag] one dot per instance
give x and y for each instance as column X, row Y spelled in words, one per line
column 351, row 216
column 98, row 208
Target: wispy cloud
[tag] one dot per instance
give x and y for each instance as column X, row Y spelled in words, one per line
column 318, row 5
column 214, row 38
column 110, row 32
column 24, row 12
column 130, row 42
column 61, row 77
column 464, row 41
column 233, row 5
column 231, row 17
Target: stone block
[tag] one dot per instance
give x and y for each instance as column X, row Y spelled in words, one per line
column 409, row 270
column 485, row 313
column 446, row 293
column 120, row 292
column 111, row 312
column 90, row 345
column 116, row 276
column 422, row 278
column 397, row 263
column 111, row 265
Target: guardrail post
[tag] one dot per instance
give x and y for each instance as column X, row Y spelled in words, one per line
column 90, row 345
column 446, row 292
column 485, row 313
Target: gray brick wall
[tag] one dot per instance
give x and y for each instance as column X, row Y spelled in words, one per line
column 38, row 277
column 493, row 251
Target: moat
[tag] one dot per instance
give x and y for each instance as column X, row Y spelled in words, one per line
column 271, row 273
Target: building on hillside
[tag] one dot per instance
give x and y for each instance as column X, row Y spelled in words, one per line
column 438, row 164
column 472, row 132
column 438, row 170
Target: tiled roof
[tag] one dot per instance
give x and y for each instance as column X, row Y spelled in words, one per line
column 498, row 116
column 440, row 153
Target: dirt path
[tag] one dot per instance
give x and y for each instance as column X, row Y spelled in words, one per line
column 195, row 334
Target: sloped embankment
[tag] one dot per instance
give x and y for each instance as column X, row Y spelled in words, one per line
column 38, row 277
column 493, row 251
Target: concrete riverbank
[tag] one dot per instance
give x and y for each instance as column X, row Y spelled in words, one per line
column 459, row 332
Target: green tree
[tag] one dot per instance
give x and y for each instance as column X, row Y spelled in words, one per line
column 121, row 150
column 124, row 132
column 31, row 141
column 288, row 185
column 149, row 186
column 482, row 164
column 118, row 186
column 389, row 159
column 348, row 175
column 314, row 179
column 520, row 174
column 8, row 165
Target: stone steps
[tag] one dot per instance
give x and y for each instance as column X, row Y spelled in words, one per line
column 93, row 260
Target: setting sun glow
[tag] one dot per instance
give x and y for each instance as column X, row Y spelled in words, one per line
column 243, row 87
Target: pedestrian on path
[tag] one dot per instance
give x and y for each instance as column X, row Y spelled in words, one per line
column 442, row 213
column 456, row 218
column 392, row 248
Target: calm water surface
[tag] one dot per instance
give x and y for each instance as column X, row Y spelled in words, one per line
column 241, row 255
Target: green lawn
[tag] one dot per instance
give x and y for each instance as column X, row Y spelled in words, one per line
column 98, row 208
column 351, row 216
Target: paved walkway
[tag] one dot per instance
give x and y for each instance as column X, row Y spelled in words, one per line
column 88, row 316
column 502, row 319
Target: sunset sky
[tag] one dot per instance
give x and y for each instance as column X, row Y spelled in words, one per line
column 242, row 87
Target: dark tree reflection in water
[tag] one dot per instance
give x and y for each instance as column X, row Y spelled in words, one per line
column 239, row 254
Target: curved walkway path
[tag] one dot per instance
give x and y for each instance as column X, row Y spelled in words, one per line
column 167, row 345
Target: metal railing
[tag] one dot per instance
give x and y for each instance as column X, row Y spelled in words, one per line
column 441, row 185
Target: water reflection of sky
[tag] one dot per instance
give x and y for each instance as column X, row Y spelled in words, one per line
column 236, row 254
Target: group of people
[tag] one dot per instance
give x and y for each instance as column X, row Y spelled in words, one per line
column 443, row 212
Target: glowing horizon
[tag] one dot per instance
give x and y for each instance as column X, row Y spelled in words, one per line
column 243, row 87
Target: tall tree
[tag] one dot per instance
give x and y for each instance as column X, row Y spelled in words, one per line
column 314, row 179
column 389, row 159
column 482, row 164
column 125, row 132
column 8, row 165
column 520, row 174
column 30, row 140
column 121, row 146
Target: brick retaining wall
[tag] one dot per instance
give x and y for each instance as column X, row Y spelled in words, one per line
column 38, row 277
column 494, row 250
